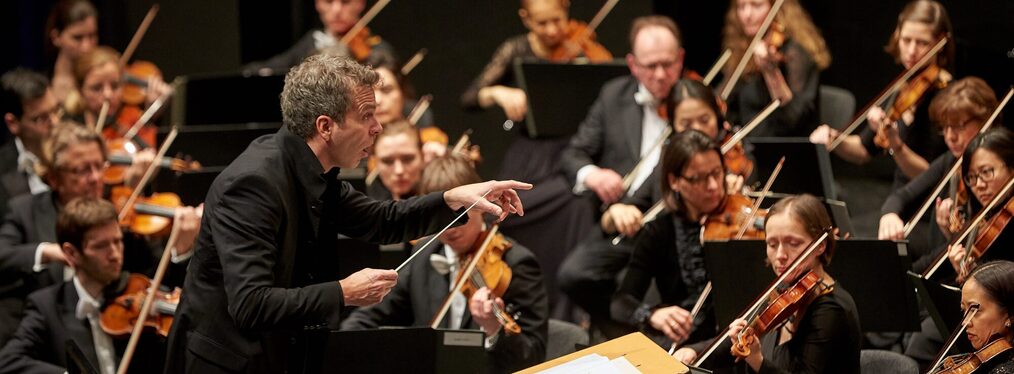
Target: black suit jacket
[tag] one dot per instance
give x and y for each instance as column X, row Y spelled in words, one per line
column 303, row 48
column 39, row 345
column 12, row 182
column 421, row 290
column 610, row 136
column 263, row 275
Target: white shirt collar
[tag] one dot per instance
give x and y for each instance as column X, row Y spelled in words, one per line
column 644, row 98
column 26, row 159
column 86, row 304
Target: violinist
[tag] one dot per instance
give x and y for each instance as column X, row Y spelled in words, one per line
column 399, row 162
column 30, row 257
column 589, row 273
column 957, row 112
column 396, row 99
column 820, row 337
column 911, row 140
column 669, row 250
column 786, row 69
column 71, row 31
column 92, row 243
column 29, row 109
column 412, row 302
column 100, row 78
column 989, row 289
column 336, row 17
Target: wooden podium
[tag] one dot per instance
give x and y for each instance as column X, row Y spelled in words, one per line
column 644, row 354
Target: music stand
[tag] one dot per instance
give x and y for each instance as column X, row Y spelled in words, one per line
column 941, row 302
column 560, row 94
column 802, row 161
column 417, row 350
column 872, row 271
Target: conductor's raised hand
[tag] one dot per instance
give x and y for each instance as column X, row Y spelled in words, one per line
column 498, row 198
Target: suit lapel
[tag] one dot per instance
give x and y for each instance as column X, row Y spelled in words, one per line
column 15, row 182
column 438, row 286
column 633, row 117
column 77, row 330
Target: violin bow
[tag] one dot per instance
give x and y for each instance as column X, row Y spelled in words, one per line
column 463, row 141
column 628, row 179
column 649, row 216
column 756, row 121
column 954, row 169
column 717, row 67
column 969, row 314
column 149, row 299
column 764, row 296
column 599, row 17
column 414, row 61
column 138, row 35
column 155, row 164
column 434, row 238
column 370, row 14
column 693, row 313
column 148, row 114
column 466, row 274
column 101, row 121
column 979, row 217
column 756, row 205
column 748, row 53
column 888, row 91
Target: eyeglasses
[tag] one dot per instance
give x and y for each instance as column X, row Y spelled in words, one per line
column 43, row 118
column 703, row 178
column 85, row 170
column 665, row 65
column 956, row 127
column 985, row 174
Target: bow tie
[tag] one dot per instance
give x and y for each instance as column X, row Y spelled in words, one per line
column 441, row 264
column 86, row 308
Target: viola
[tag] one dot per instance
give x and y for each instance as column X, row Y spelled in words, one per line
column 580, row 41
column 121, row 155
column 969, row 363
column 135, row 81
column 736, row 161
column 908, row 97
column 726, row 222
column 361, row 44
column 149, row 216
column 779, row 308
column 119, row 316
column 988, row 234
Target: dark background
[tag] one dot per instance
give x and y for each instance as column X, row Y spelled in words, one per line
column 201, row 36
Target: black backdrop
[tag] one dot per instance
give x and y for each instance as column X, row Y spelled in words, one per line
column 200, row 36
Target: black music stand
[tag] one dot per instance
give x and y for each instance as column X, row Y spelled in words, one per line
column 840, row 217
column 560, row 95
column 942, row 302
column 807, row 166
column 214, row 99
column 872, row 271
column 419, row 350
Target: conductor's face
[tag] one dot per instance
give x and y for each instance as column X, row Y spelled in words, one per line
column 350, row 140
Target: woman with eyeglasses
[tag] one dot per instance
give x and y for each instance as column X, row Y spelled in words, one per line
column 668, row 249
column 989, row 294
column 958, row 112
column 789, row 71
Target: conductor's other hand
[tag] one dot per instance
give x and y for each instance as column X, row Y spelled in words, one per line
column 501, row 199
column 368, row 286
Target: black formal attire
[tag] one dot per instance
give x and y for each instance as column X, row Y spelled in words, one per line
column 421, row 290
column 555, row 220
column 926, row 237
column 799, row 117
column 920, row 136
column 263, row 276
column 39, row 345
column 667, row 250
column 827, row 340
column 13, row 181
column 31, row 221
column 303, row 48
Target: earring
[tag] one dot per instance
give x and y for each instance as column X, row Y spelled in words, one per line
column 1007, row 323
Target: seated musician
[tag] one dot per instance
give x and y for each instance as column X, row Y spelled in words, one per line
column 411, row 301
column 589, row 273
column 92, row 243
column 30, row 257
column 988, row 289
column 337, row 17
column 958, row 111
column 29, row 110
column 396, row 100
column 822, row 336
column 399, row 162
column 72, row 30
column 101, row 79
column 668, row 249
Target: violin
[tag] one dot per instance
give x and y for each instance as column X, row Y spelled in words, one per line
column 779, row 309
column 580, row 41
column 148, row 216
column 731, row 216
column 988, row 234
column 361, row 43
column 119, row 316
column 135, row 81
column 908, row 97
column 959, row 200
column 968, row 363
column 736, row 161
column 121, row 155
column 485, row 267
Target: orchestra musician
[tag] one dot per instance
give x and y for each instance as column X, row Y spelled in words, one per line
column 399, row 162
column 789, row 72
column 988, row 288
column 92, row 244
column 264, row 260
column 921, row 25
column 414, row 301
column 396, row 99
column 71, row 31
column 30, row 256
column 823, row 336
column 29, row 110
